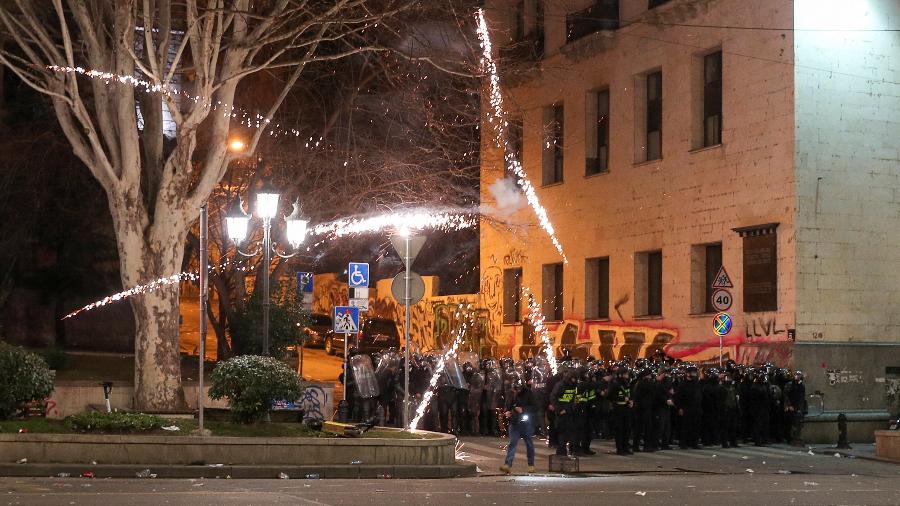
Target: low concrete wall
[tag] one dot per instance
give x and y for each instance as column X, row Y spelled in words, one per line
column 861, row 426
column 70, row 398
column 440, row 449
column 887, row 444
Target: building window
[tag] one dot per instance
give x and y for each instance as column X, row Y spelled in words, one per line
column 597, row 132
column 512, row 290
column 760, row 267
column 554, row 124
column 648, row 284
column 602, row 15
column 515, row 138
column 552, row 284
column 706, row 260
column 519, row 26
column 712, row 99
column 654, row 116
column 596, row 288
column 656, row 3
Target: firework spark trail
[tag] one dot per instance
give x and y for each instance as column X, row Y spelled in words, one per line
column 448, row 355
column 411, row 221
column 251, row 120
column 146, row 287
column 537, row 319
column 501, row 137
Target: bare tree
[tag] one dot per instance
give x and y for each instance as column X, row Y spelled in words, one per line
column 158, row 162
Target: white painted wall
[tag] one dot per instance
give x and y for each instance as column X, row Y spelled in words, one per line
column 847, row 82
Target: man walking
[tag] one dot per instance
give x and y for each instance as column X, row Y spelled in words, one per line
column 520, row 412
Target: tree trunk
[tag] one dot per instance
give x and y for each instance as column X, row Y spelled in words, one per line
column 147, row 253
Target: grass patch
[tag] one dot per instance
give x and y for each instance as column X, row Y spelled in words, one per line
column 38, row 425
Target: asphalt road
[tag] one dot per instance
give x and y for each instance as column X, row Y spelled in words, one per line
column 781, row 475
column 682, row 488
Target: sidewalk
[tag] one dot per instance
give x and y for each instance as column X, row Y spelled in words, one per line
column 488, row 454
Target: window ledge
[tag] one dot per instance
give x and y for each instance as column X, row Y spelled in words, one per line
column 707, row 148
column 649, row 317
column 516, row 324
column 597, row 320
column 595, row 174
column 550, row 185
column 699, row 315
column 647, row 162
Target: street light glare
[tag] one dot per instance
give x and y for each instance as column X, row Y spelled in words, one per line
column 237, row 146
column 267, row 201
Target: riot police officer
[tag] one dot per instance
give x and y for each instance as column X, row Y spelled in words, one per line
column 620, row 396
column 562, row 404
column 689, row 401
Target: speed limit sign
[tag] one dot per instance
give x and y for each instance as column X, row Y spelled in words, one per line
column 721, row 300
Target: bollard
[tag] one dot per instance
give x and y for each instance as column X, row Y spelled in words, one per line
column 107, row 388
column 842, row 432
column 343, row 411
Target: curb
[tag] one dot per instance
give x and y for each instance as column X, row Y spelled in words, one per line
column 458, row 470
column 848, row 454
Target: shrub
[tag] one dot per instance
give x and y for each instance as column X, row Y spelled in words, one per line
column 24, row 377
column 117, row 421
column 286, row 318
column 251, row 383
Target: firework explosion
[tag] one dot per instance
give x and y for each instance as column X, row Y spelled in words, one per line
column 407, row 221
column 497, row 117
column 450, row 354
column 537, row 319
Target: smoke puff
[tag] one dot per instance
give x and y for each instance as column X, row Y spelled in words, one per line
column 507, row 195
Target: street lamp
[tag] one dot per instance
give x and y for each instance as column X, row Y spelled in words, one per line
column 238, row 222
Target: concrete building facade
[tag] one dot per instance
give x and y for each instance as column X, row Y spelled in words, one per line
column 669, row 139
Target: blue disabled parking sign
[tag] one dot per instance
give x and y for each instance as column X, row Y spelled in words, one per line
column 346, row 319
column 358, row 275
column 304, row 282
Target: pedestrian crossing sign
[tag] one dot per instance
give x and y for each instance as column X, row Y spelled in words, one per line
column 346, row 320
column 722, row 280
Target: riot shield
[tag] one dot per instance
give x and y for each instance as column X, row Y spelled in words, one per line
column 388, row 363
column 364, row 374
column 454, row 374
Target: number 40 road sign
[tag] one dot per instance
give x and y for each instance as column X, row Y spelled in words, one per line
column 721, row 300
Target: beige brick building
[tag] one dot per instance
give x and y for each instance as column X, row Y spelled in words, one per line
column 669, row 138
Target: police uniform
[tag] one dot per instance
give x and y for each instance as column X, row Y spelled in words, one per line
column 563, row 401
column 620, row 396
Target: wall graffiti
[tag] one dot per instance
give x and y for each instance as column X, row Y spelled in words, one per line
column 314, row 403
column 763, row 327
column 515, row 257
column 840, row 377
column 616, row 340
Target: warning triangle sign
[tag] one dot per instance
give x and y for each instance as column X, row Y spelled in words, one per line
column 723, row 280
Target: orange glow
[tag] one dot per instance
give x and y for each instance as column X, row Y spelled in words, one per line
column 237, row 146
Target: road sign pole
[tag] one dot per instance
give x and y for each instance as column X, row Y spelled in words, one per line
column 406, row 337
column 204, row 294
column 721, row 348
column 346, row 366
